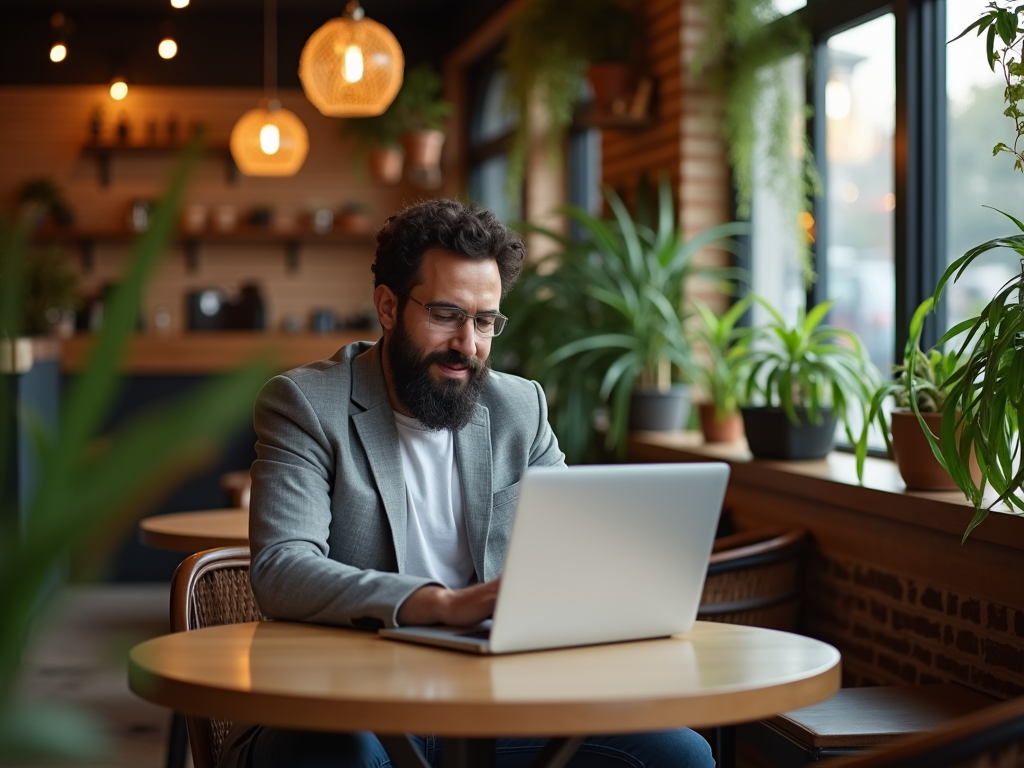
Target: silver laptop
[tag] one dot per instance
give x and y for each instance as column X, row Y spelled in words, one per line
column 598, row 554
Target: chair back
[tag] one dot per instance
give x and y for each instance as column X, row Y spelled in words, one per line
column 753, row 579
column 209, row 589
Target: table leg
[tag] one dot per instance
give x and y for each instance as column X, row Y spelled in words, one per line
column 468, row 753
column 723, row 746
column 403, row 752
column 177, row 742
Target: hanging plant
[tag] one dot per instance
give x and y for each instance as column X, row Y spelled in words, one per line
column 741, row 59
column 550, row 44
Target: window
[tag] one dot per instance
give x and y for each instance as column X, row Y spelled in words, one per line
column 491, row 125
column 775, row 263
column 902, row 128
column 860, row 115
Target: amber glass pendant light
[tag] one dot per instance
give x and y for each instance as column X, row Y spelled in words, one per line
column 269, row 140
column 352, row 66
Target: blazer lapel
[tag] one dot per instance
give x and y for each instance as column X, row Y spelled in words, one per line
column 379, row 436
column 473, row 455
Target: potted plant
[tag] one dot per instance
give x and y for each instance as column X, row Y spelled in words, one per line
column 919, row 392
column 552, row 46
column 354, row 218
column 810, row 376
column 601, row 322
column 721, row 374
column 378, row 143
column 41, row 200
column 985, row 395
column 422, row 112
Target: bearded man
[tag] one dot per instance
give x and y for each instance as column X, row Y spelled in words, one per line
column 386, row 477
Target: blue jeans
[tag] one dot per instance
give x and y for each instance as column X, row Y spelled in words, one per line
column 277, row 748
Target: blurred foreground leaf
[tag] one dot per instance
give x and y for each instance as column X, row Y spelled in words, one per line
column 87, row 478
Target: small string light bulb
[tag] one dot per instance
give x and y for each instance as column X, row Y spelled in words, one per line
column 118, row 89
column 179, row 3
column 167, row 49
column 58, row 52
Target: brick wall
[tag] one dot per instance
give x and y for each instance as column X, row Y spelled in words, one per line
column 45, row 127
column 894, row 629
column 684, row 140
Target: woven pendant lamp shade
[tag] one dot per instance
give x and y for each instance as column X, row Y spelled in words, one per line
column 351, row 67
column 269, row 142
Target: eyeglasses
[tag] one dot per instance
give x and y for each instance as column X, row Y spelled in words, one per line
column 446, row 318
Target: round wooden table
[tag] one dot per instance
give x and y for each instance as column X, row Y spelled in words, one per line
column 323, row 678
column 196, row 531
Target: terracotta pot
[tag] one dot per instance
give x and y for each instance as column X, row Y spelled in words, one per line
column 611, row 83
column 729, row 430
column 385, row 164
column 353, row 223
column 913, row 456
column 423, row 149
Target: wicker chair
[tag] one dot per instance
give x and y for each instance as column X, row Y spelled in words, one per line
column 209, row 589
column 752, row 579
column 990, row 738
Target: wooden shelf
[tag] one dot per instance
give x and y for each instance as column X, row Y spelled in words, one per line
column 210, row 352
column 191, row 242
column 105, row 153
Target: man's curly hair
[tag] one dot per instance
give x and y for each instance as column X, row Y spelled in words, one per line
column 467, row 230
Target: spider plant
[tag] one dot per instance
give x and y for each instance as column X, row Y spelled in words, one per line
column 987, row 391
column 808, row 367
column 985, row 396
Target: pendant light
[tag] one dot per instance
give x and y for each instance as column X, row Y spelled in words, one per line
column 352, row 66
column 269, row 140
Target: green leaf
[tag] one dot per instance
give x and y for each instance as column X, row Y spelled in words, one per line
column 38, row 731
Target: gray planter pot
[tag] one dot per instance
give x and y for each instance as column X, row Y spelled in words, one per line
column 771, row 435
column 657, row 411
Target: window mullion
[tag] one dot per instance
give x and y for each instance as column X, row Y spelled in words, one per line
column 920, row 165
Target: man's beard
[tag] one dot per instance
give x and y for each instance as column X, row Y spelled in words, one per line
column 448, row 404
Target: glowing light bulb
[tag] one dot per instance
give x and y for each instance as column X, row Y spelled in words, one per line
column 167, row 48
column 118, row 90
column 179, row 3
column 59, row 52
column 352, row 64
column 270, row 139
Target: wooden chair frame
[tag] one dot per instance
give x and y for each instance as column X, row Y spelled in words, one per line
column 187, row 577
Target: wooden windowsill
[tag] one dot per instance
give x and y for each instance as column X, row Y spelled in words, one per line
column 833, row 481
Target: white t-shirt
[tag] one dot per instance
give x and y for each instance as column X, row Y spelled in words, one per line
column 436, row 543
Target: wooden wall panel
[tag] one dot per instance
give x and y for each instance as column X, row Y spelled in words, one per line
column 45, row 127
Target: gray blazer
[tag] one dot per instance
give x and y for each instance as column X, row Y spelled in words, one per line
column 327, row 520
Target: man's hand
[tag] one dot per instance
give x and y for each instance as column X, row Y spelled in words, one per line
column 455, row 607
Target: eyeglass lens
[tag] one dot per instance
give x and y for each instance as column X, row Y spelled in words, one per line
column 451, row 319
